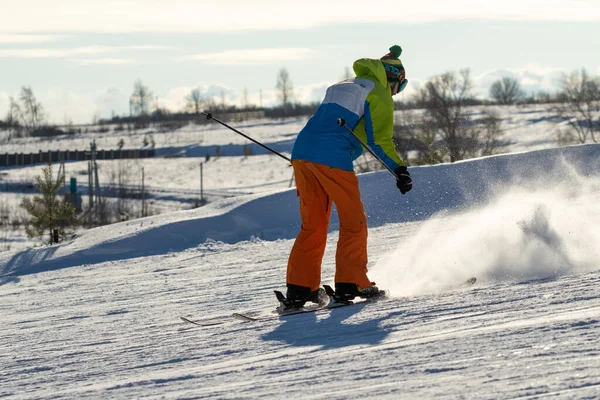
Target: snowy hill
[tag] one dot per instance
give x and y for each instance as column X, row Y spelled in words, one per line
column 172, row 179
column 97, row 317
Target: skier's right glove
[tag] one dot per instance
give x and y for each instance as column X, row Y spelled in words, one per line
column 403, row 179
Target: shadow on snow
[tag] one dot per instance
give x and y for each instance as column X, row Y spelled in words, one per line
column 330, row 331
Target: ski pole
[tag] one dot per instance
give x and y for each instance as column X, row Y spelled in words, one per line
column 342, row 122
column 209, row 117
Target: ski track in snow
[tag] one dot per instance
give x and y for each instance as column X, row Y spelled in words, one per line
column 106, row 325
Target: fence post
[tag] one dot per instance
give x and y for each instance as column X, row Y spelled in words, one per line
column 143, row 195
column 201, row 184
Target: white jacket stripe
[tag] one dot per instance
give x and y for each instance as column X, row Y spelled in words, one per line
column 350, row 94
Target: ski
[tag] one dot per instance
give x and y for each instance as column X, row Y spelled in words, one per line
column 279, row 312
column 204, row 323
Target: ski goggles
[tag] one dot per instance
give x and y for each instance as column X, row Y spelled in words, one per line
column 396, row 75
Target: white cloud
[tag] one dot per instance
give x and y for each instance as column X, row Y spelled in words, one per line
column 109, row 101
column 532, row 78
column 236, row 15
column 253, row 56
column 20, row 38
column 33, row 53
column 70, row 52
column 103, row 61
column 314, row 92
column 175, row 98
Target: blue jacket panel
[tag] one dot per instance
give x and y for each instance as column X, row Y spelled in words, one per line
column 365, row 103
column 325, row 142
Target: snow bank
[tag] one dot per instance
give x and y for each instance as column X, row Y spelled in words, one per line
column 493, row 191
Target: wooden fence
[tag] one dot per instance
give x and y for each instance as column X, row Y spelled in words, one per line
column 45, row 157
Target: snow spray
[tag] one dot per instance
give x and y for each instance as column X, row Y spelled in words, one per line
column 534, row 230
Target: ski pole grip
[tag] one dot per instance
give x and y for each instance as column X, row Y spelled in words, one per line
column 341, row 122
column 208, row 116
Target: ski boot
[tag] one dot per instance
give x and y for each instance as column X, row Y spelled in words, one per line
column 346, row 292
column 297, row 296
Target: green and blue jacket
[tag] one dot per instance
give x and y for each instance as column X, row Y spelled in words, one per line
column 365, row 103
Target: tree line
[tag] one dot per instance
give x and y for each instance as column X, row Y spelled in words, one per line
column 450, row 130
column 444, row 98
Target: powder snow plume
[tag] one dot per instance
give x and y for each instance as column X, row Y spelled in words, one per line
column 531, row 231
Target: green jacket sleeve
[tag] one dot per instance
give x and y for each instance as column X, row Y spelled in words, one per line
column 376, row 127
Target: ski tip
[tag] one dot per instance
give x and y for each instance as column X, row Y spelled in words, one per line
column 244, row 317
column 189, row 321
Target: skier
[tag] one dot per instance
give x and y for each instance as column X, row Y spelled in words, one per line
column 322, row 160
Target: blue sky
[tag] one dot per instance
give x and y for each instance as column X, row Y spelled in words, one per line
column 82, row 57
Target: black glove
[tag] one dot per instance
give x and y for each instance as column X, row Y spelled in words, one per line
column 403, row 180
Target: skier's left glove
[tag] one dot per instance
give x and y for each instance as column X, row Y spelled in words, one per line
column 403, row 179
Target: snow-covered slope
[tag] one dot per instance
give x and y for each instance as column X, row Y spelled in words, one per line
column 98, row 317
column 172, row 180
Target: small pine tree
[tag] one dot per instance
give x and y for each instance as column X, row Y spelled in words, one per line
column 46, row 212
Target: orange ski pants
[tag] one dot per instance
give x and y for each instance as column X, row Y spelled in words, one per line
column 318, row 186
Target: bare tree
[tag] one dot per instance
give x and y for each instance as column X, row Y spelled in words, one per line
column 580, row 104
column 445, row 97
column 31, row 112
column 4, row 225
column 285, row 90
column 13, row 116
column 210, row 102
column 195, row 101
column 506, row 91
column 490, row 134
column 141, row 98
column 543, row 97
column 418, row 135
column 430, row 150
column 245, row 101
column 222, row 95
column 446, row 129
column 120, row 177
